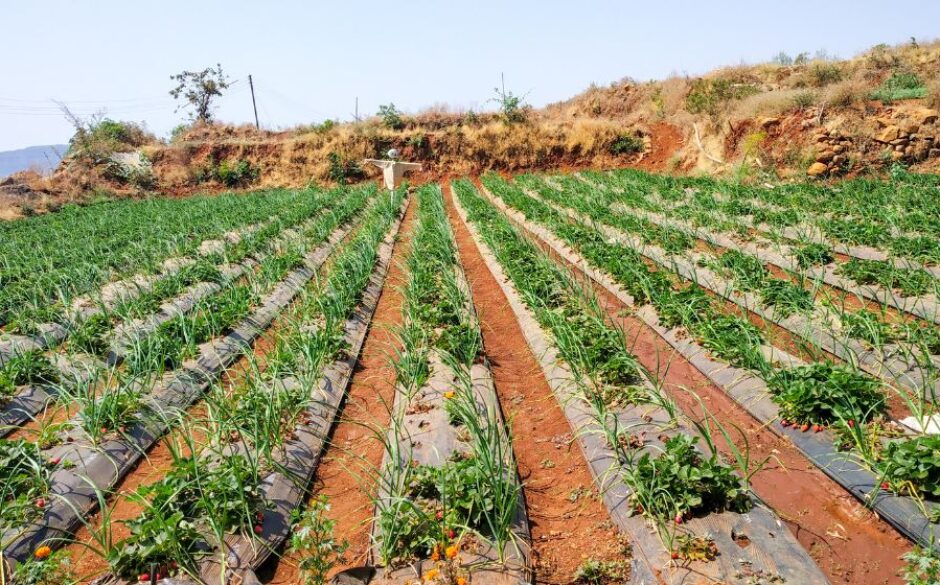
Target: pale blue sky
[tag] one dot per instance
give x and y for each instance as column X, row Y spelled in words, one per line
column 311, row 59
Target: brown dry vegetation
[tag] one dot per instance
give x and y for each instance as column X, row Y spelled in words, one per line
column 765, row 121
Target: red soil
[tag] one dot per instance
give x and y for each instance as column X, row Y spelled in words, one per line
column 551, row 466
column 849, row 543
column 354, row 451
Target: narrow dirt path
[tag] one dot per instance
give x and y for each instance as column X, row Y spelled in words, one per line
column 569, row 523
column 354, row 450
column 848, row 542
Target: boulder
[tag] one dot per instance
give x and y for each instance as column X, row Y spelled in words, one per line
column 817, row 169
column 765, row 122
column 889, row 134
column 825, row 156
column 924, row 116
column 910, row 127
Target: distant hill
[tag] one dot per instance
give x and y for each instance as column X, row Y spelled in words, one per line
column 44, row 158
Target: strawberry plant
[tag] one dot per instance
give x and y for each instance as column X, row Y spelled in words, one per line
column 913, row 465
column 683, row 482
column 825, row 393
column 813, row 254
column 30, row 367
column 24, row 481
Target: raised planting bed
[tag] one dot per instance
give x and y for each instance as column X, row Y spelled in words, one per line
column 100, row 340
column 303, row 383
column 914, row 517
column 88, row 467
column 631, row 435
column 449, row 505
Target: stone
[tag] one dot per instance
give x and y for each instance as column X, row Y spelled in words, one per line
column 924, row 116
column 838, row 160
column 910, row 126
column 764, row 122
column 896, row 156
column 838, row 149
column 825, row 156
column 817, row 169
column 934, row 152
column 889, row 134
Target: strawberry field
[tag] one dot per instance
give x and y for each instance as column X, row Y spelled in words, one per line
column 596, row 377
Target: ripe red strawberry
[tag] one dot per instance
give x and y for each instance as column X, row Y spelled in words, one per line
column 885, row 485
column 675, row 555
column 451, row 534
column 258, row 529
column 851, row 424
column 259, row 516
column 143, row 578
column 804, row 428
column 40, row 502
column 104, row 430
column 784, row 423
column 54, row 461
column 440, row 515
column 678, row 518
column 818, row 428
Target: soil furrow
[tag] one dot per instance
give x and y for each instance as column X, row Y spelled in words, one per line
column 568, row 522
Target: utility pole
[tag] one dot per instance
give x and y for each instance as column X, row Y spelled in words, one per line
column 356, row 115
column 253, row 104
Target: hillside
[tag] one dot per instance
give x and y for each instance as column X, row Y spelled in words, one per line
column 42, row 158
column 792, row 118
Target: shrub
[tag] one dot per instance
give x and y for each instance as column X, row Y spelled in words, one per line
column 804, row 99
column 844, row 94
column 231, row 173
column 342, row 169
column 391, row 117
column 512, row 108
column 902, row 85
column 822, row 74
column 626, row 144
column 708, row 95
column 95, row 140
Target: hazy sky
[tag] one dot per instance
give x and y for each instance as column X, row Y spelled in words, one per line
column 311, row 59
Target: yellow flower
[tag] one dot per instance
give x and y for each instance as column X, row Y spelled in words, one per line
column 431, row 575
column 42, row 552
column 449, row 394
column 452, row 551
column 436, row 553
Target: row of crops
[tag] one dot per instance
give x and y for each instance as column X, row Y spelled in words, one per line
column 226, row 331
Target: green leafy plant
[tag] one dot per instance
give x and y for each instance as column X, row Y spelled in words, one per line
column 31, row 367
column 595, row 572
column 54, row 569
column 24, row 482
column 391, row 116
column 682, row 482
column 825, row 393
column 922, row 567
column 913, row 465
column 901, row 85
column 312, row 541
column 626, row 144
column 813, row 254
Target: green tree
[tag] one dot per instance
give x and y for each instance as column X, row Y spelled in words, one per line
column 198, row 89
